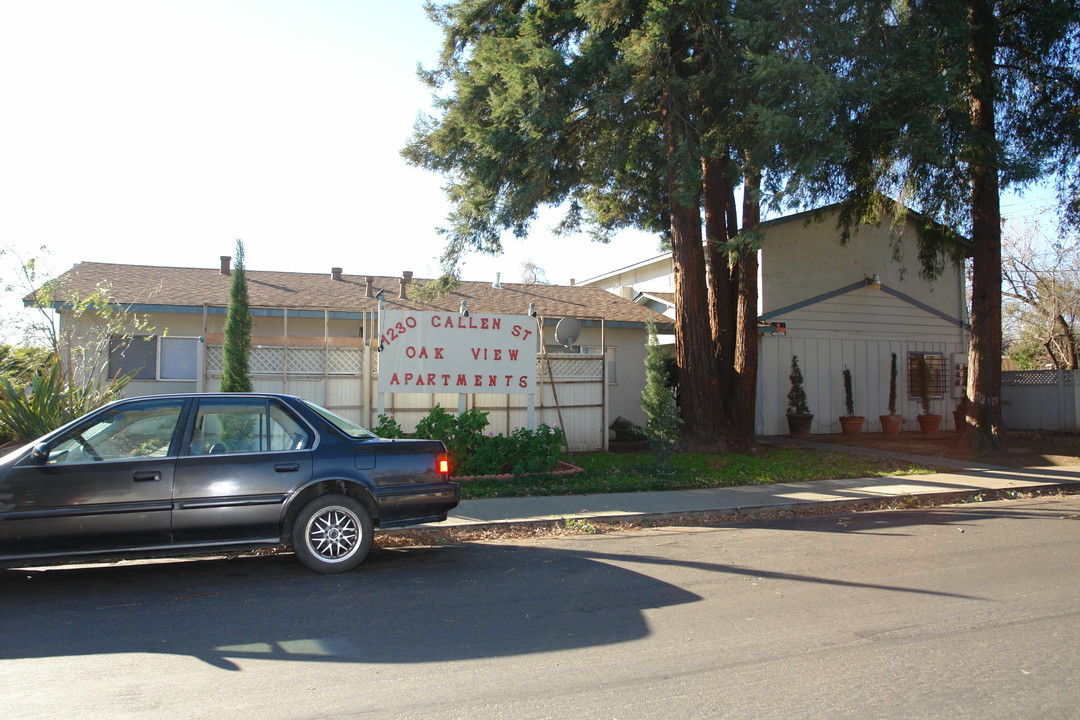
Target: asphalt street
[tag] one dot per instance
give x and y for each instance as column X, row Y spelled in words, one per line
column 961, row 611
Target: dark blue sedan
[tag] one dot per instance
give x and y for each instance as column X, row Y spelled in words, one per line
column 186, row 474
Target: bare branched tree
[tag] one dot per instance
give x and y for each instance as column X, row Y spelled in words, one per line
column 1041, row 289
column 533, row 274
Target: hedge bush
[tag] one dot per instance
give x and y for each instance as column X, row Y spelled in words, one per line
column 472, row 452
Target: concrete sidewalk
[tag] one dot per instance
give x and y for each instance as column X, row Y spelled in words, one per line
column 967, row 478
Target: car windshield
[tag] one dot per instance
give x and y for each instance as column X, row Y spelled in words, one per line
column 346, row 426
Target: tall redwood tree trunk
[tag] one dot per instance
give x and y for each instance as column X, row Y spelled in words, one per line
column 984, row 371
column 700, row 397
column 744, row 407
column 722, row 293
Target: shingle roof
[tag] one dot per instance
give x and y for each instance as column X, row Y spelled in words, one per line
column 668, row 297
column 195, row 287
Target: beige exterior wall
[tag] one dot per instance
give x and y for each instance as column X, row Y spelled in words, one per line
column 800, row 261
column 654, row 275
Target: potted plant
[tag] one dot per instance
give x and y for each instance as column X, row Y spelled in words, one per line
column 850, row 423
column 929, row 422
column 890, row 424
column 798, row 411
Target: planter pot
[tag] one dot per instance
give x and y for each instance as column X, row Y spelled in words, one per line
column 852, row 424
column 799, row 425
column 929, row 424
column 890, row 424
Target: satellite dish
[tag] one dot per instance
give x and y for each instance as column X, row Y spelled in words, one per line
column 567, row 331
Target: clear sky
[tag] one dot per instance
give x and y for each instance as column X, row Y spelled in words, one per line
column 159, row 131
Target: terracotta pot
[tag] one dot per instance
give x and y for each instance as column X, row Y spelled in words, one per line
column 929, row 424
column 852, row 424
column 799, row 425
column 890, row 424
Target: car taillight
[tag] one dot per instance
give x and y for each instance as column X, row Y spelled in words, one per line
column 442, row 464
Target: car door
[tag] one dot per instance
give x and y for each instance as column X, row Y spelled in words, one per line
column 241, row 459
column 104, row 484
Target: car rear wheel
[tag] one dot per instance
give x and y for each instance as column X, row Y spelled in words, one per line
column 332, row 534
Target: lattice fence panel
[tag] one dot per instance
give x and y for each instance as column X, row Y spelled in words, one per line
column 1037, row 377
column 215, row 360
column 301, row 361
column 344, row 362
column 267, row 361
column 306, row 361
column 573, row 366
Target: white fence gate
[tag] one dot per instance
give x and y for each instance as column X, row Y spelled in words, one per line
column 1040, row 400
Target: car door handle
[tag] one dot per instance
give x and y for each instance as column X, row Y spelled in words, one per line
column 147, row 476
column 287, row 467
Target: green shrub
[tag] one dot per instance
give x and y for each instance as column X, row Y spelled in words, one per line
column 17, row 364
column 536, row 450
column 389, row 428
column 474, row 453
column 796, row 397
column 462, row 435
column 626, row 431
column 49, row 400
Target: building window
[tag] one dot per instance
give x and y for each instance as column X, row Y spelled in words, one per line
column 133, row 355
column 935, row 365
column 179, row 357
column 154, row 358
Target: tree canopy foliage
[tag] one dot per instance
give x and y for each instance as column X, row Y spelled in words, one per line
column 631, row 113
column 636, row 113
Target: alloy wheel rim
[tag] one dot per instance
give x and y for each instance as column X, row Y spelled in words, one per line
column 334, row 534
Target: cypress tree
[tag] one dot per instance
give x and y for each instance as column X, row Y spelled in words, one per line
column 236, row 374
column 658, row 402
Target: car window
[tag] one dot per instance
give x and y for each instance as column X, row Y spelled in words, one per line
column 346, row 426
column 225, row 425
column 132, row 430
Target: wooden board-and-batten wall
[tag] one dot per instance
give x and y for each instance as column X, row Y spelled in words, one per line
column 858, row 328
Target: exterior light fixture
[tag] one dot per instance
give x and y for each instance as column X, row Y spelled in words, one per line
column 532, row 309
column 463, row 310
column 874, row 282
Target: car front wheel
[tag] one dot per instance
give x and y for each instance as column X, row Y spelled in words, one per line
column 332, row 534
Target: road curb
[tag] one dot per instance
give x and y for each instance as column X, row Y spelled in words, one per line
column 745, row 512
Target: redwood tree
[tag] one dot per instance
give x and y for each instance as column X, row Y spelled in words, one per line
column 635, row 113
column 981, row 94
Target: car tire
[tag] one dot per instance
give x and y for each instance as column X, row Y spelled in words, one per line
column 332, row 534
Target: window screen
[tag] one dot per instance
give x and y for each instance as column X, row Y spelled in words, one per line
column 179, row 358
column 138, row 354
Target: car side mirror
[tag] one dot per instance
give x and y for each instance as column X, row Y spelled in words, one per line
column 40, row 454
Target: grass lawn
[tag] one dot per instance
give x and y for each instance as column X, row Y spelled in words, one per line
column 609, row 472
